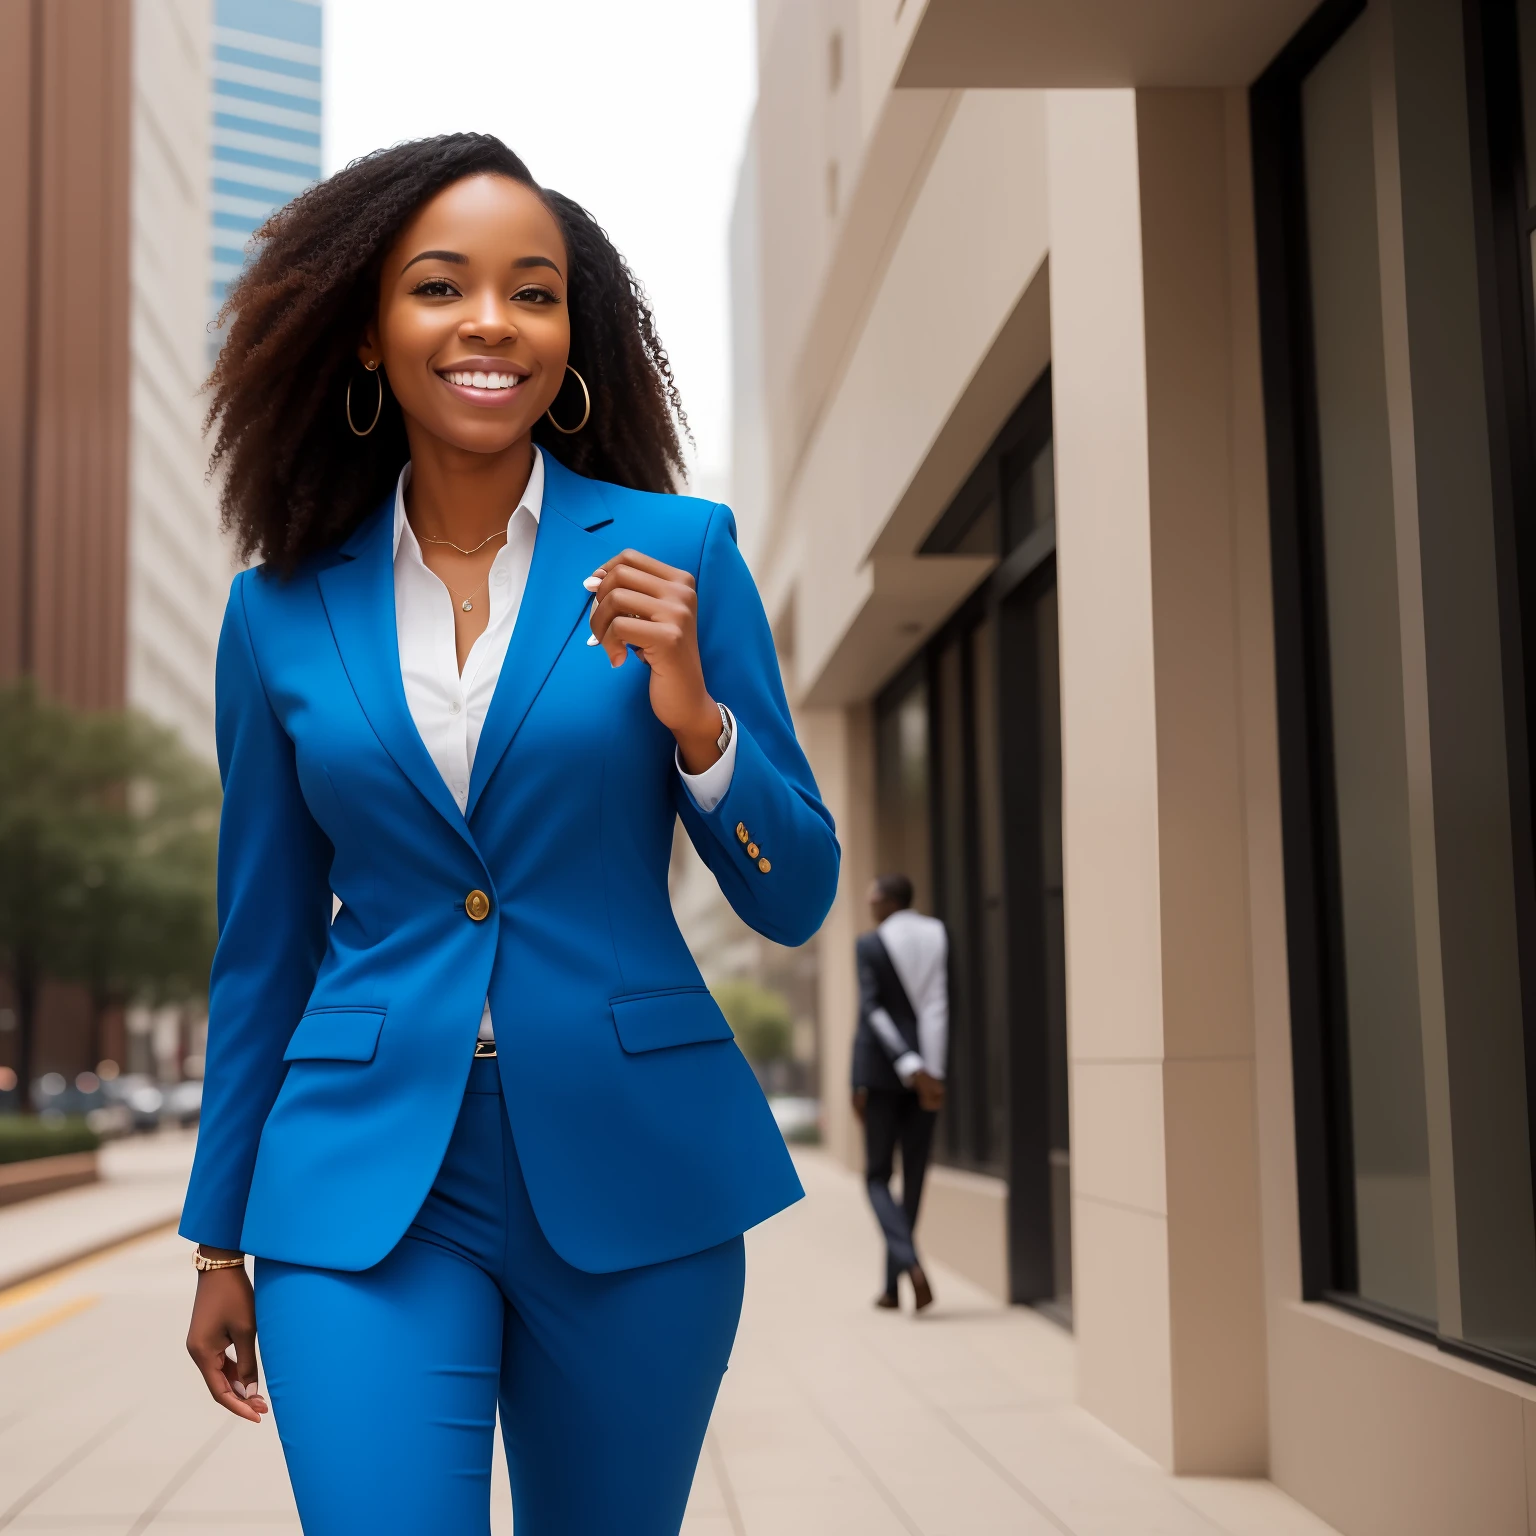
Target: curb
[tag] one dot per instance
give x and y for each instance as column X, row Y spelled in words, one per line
column 92, row 1248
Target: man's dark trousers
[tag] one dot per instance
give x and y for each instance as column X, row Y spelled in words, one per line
column 892, row 1116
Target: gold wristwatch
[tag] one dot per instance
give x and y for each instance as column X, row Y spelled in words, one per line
column 203, row 1263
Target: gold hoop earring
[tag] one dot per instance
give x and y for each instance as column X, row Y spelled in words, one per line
column 372, row 368
column 586, row 414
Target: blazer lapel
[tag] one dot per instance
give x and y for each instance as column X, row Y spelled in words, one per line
column 565, row 553
column 359, row 597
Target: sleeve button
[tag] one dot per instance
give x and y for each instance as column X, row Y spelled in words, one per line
column 741, row 831
column 751, row 850
column 764, row 865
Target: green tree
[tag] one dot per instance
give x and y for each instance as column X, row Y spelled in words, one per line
column 759, row 1017
column 108, row 838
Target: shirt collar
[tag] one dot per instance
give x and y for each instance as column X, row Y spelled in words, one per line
column 532, row 501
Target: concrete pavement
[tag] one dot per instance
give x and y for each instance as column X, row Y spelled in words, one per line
column 142, row 1181
column 833, row 1418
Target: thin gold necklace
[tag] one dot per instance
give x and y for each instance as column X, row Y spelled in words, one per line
column 467, row 603
column 500, row 533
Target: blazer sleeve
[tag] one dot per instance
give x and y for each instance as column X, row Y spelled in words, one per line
column 274, row 912
column 785, row 889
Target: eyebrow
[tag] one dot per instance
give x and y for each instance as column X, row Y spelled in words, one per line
column 461, row 260
column 456, row 257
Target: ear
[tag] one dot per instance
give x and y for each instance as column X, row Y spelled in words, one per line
column 368, row 353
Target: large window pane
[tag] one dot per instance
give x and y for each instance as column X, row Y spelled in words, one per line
column 994, row 911
column 904, row 838
column 953, row 895
column 1379, row 963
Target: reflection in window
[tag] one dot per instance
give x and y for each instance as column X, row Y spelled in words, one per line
column 1395, row 1237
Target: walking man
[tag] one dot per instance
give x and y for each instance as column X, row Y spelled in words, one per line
column 898, row 1066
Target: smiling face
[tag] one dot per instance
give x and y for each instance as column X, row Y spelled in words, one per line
column 472, row 327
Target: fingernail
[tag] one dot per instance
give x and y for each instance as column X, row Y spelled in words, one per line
column 240, row 1388
column 591, row 639
column 592, row 583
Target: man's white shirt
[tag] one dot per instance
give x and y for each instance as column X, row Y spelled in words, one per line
column 919, row 951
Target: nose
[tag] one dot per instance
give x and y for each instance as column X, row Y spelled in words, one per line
column 491, row 323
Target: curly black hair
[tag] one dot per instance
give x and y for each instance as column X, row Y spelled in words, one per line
column 296, row 479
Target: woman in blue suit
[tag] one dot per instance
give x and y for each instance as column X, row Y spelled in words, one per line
column 484, row 1129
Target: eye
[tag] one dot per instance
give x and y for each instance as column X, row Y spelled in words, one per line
column 534, row 295
column 436, row 288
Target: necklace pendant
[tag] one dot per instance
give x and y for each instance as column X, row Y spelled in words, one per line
column 467, row 606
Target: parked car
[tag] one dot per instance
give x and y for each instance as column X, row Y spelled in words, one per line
column 141, row 1095
column 53, row 1094
column 184, row 1102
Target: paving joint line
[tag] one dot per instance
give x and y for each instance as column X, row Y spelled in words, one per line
column 858, row 1458
column 723, row 1477
column 73, row 1459
column 178, row 1479
column 976, row 1448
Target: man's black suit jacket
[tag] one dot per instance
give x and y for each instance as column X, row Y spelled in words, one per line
column 879, row 987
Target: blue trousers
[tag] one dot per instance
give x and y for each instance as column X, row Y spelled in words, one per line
column 385, row 1383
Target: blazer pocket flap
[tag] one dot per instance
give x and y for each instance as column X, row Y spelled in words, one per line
column 651, row 1021
column 336, row 1034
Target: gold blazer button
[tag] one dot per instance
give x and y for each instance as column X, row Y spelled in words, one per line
column 751, row 850
column 477, row 906
column 741, row 831
column 764, row 865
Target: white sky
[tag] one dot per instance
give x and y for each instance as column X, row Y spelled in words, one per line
column 636, row 108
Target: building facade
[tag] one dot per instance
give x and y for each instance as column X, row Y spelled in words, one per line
column 113, row 571
column 267, row 72
column 1141, row 464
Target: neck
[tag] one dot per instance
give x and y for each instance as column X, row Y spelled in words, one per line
column 465, row 497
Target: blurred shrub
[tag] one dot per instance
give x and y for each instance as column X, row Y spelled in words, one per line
column 23, row 1137
column 108, row 839
column 760, row 1018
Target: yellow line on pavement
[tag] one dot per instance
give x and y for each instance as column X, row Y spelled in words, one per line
column 25, row 1290
column 24, row 1331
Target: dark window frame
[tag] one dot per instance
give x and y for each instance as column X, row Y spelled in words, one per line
column 1504, row 223
column 1309, row 833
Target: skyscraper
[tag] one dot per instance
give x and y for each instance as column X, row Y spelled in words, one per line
column 112, row 571
column 266, row 122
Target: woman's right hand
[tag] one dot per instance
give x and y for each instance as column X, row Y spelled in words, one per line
column 224, row 1317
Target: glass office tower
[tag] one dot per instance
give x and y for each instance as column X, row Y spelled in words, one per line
column 267, row 60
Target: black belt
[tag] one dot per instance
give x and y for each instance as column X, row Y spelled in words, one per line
column 484, row 1049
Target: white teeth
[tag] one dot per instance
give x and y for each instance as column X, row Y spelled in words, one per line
column 484, row 380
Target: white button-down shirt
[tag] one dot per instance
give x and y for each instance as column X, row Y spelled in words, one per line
column 449, row 706
column 919, row 951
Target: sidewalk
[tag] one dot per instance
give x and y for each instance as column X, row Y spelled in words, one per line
column 834, row 1417
column 141, row 1185
column 839, row 1418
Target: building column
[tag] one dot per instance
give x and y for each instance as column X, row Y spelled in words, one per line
column 1148, row 198
column 839, row 742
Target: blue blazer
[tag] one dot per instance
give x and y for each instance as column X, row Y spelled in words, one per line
column 338, row 1051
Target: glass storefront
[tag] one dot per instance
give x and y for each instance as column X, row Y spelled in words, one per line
column 969, row 773
column 1390, row 143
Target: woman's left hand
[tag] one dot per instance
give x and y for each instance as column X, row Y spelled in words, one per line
column 639, row 601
